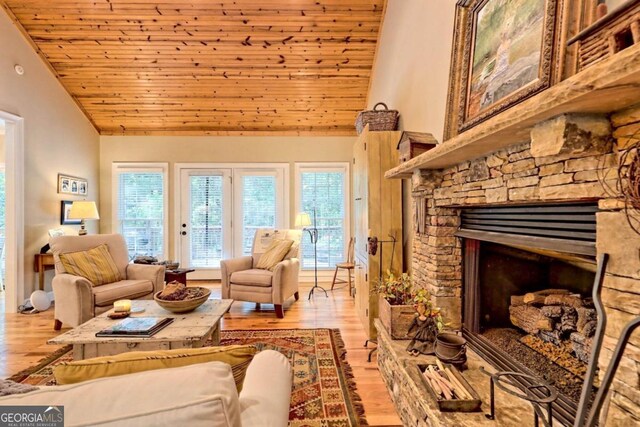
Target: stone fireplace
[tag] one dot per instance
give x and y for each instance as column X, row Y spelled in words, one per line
column 473, row 277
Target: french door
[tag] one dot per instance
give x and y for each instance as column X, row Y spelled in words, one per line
column 205, row 218
column 220, row 210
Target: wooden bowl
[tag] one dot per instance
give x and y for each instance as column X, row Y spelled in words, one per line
column 183, row 306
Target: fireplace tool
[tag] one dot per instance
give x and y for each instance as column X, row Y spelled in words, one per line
column 589, row 417
column 372, row 248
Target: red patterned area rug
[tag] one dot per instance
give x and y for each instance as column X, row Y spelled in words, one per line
column 324, row 392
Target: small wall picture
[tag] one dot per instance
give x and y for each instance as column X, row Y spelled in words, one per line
column 65, row 207
column 72, row 185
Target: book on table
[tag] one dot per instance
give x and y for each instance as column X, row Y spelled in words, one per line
column 143, row 327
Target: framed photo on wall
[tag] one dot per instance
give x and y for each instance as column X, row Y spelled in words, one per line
column 502, row 54
column 72, row 185
column 65, row 207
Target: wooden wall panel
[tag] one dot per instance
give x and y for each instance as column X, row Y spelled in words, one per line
column 238, row 67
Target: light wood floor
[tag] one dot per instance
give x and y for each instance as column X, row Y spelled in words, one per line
column 23, row 340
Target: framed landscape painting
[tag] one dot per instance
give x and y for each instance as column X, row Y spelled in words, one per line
column 503, row 53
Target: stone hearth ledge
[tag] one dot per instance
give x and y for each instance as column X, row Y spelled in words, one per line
column 416, row 407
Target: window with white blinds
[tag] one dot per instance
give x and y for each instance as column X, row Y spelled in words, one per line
column 2, row 223
column 259, row 206
column 140, row 208
column 206, row 241
column 323, row 190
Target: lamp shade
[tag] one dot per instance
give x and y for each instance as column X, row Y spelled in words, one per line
column 303, row 220
column 83, row 209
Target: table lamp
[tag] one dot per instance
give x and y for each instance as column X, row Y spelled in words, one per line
column 83, row 210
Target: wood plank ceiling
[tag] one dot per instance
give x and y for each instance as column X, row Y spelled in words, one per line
column 168, row 67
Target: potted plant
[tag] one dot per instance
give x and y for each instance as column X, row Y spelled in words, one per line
column 395, row 304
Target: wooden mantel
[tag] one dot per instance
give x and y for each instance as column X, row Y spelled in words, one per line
column 611, row 85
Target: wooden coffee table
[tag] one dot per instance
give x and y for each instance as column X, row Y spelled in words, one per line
column 188, row 330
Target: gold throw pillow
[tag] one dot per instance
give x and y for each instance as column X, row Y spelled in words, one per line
column 96, row 265
column 238, row 356
column 275, row 253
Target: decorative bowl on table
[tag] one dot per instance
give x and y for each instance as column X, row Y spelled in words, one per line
column 195, row 297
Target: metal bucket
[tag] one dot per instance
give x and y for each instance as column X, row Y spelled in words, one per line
column 451, row 348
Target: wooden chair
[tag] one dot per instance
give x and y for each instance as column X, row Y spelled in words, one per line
column 348, row 265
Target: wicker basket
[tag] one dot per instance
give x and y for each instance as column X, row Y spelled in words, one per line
column 377, row 119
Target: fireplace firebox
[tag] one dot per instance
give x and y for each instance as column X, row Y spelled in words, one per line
column 528, row 274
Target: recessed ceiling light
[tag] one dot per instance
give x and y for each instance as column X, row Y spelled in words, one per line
column 19, row 69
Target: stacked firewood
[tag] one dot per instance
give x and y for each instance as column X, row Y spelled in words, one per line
column 556, row 316
column 444, row 383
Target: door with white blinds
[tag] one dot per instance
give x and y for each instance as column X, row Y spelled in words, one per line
column 205, row 219
column 222, row 207
column 259, row 203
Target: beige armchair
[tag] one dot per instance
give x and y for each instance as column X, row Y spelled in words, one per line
column 241, row 281
column 77, row 300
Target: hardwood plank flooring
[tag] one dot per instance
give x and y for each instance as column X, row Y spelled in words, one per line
column 24, row 339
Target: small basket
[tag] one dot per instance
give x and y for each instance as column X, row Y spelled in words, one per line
column 377, row 119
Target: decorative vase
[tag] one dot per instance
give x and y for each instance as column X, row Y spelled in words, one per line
column 396, row 319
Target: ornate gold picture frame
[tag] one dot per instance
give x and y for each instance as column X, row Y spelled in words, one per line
column 503, row 53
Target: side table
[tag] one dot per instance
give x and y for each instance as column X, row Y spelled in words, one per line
column 42, row 262
column 178, row 275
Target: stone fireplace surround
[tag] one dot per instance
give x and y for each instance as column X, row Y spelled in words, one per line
column 570, row 158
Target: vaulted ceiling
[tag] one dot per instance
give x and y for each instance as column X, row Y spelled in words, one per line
column 203, row 67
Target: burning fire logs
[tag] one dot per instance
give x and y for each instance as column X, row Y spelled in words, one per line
column 558, row 317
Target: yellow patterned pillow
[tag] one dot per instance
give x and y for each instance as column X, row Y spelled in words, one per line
column 97, row 265
column 238, row 356
column 274, row 253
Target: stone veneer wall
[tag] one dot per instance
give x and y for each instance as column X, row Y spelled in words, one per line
column 516, row 175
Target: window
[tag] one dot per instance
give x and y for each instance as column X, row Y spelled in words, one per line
column 2, row 223
column 140, row 207
column 323, row 189
column 260, row 203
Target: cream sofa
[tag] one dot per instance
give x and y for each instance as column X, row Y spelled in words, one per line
column 241, row 281
column 196, row 396
column 77, row 300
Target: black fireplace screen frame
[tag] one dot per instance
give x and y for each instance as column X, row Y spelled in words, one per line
column 566, row 227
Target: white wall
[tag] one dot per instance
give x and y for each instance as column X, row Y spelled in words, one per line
column 58, row 139
column 411, row 74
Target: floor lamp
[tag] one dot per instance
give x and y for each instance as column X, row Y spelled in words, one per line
column 303, row 221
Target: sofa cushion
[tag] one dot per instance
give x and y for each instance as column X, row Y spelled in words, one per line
column 198, row 395
column 254, row 277
column 96, row 265
column 267, row 390
column 237, row 356
column 130, row 289
column 293, row 251
column 115, row 242
column 275, row 253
